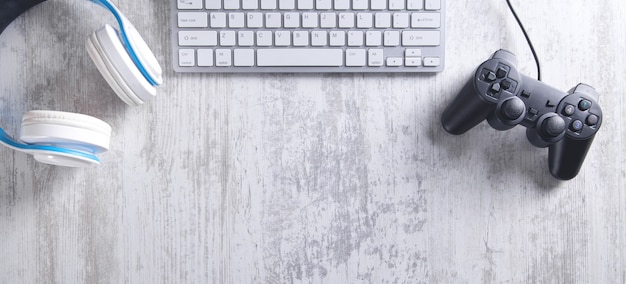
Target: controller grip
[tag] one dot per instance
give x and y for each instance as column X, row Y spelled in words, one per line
column 566, row 157
column 466, row 111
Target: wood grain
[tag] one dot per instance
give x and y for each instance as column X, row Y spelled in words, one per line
column 312, row 178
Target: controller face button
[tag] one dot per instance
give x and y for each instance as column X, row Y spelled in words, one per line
column 584, row 105
column 569, row 110
column 576, row 126
column 501, row 73
column 525, row 94
column 495, row 88
column 506, row 84
column 490, row 77
column 592, row 120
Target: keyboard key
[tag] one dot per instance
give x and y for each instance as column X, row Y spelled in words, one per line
column 425, row 20
column 264, row 38
column 413, row 52
column 420, row 38
column 227, row 38
column 373, row 38
column 355, row 57
column 223, row 57
column 236, row 20
column 299, row 57
column 391, row 38
column 382, row 20
column 394, row 61
column 364, row 20
column 189, row 4
column 218, row 20
column 375, row 57
column 197, row 38
column 328, row 20
column 231, row 4
column 413, row 61
column 186, row 57
column 286, row 4
column 300, row 38
column 323, row 4
column 255, row 20
column 355, row 38
column 250, row 4
column 244, row 57
column 379, row 4
column 193, row 20
column 319, row 38
column 245, row 38
column 305, row 4
column 401, row 20
column 273, row 20
column 205, row 57
column 346, row 20
column 415, row 4
column 337, row 38
column 309, row 20
column 213, row 4
column 282, row 38
column 432, row 4
column 360, row 4
column 432, row 61
column 396, row 4
column 291, row 20
column 342, row 4
column 268, row 4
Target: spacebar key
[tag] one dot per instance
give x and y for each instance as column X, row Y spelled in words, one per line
column 299, row 57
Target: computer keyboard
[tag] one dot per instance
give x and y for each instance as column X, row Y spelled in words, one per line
column 234, row 36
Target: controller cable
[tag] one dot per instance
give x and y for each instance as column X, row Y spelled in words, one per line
column 530, row 44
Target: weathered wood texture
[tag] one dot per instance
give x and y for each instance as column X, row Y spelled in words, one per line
column 313, row 178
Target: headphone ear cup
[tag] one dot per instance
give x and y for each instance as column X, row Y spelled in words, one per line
column 66, row 130
column 114, row 63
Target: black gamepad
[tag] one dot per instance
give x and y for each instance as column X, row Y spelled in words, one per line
column 564, row 122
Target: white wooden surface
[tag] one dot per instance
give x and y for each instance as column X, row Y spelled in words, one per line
column 313, row 178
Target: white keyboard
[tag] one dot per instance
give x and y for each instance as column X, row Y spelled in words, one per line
column 235, row 36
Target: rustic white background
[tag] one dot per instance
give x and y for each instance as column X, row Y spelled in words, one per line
column 313, row 178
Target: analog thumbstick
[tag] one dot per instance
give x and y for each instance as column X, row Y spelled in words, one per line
column 553, row 126
column 512, row 109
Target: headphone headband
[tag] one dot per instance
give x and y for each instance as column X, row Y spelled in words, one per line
column 11, row 9
column 124, row 60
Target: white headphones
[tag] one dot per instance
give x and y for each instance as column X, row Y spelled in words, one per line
column 70, row 139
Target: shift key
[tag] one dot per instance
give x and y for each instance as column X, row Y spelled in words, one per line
column 421, row 38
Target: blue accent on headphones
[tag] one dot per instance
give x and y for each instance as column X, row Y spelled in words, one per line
column 133, row 55
column 79, row 154
column 9, row 141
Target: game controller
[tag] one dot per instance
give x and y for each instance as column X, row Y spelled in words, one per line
column 564, row 122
